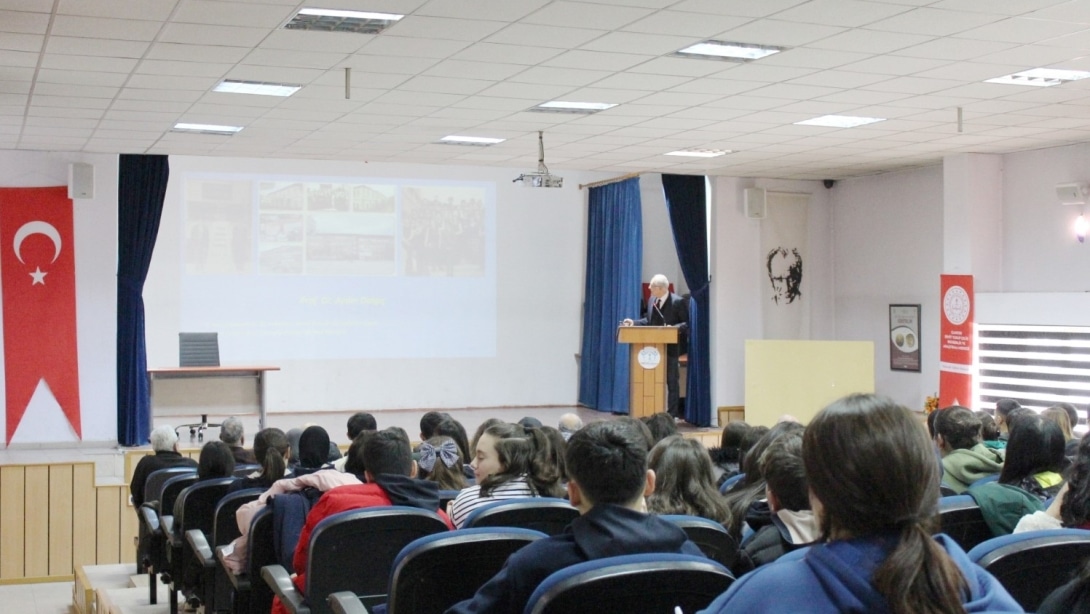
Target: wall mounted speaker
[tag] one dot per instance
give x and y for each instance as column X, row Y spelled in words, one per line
column 755, row 199
column 81, row 180
column 1072, row 193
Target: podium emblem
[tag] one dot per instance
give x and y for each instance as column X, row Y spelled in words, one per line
column 649, row 357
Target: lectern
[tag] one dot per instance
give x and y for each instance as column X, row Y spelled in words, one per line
column 647, row 349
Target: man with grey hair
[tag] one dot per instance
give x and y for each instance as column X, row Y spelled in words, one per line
column 231, row 433
column 569, row 423
column 164, row 442
column 664, row 308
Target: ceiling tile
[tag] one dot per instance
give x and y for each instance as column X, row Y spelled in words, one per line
column 585, row 15
column 532, row 35
column 444, row 28
column 842, row 13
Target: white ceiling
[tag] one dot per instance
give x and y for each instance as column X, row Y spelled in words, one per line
column 115, row 75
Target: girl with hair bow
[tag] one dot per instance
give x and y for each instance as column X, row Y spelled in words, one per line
column 441, row 462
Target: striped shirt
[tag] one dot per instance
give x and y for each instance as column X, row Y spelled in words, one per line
column 470, row 498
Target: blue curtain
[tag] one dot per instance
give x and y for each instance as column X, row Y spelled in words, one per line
column 614, row 260
column 141, row 188
column 686, row 200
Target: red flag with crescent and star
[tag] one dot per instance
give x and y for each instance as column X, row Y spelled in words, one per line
column 38, row 280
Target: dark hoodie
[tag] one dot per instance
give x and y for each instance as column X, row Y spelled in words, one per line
column 836, row 577
column 604, row 531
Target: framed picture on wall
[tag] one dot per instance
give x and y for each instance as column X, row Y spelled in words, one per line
column 904, row 338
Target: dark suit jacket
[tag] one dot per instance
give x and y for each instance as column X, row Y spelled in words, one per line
column 674, row 312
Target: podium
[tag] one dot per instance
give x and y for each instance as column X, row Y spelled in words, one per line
column 647, row 351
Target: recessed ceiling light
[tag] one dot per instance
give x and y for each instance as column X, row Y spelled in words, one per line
column 480, row 141
column 561, row 106
column 699, row 153
column 1041, row 77
column 261, row 88
column 733, row 52
column 207, row 128
column 333, row 20
column 840, row 121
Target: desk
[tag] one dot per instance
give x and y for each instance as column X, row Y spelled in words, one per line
column 257, row 373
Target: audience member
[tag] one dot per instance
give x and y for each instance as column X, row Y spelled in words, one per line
column 480, row 431
column 449, row 427
column 558, row 448
column 428, row 422
column 1071, row 507
column 1035, row 456
column 511, row 463
column 964, row 458
column 388, row 458
column 569, row 424
column 441, row 462
column 640, row 426
column 607, row 462
column 1003, row 408
column 231, row 433
column 313, row 450
column 164, row 443
column 873, row 480
column 749, row 509
column 354, row 458
column 273, row 454
column 1062, row 419
column 989, row 432
column 216, row 460
column 358, row 423
column 529, row 422
column 749, row 439
column 793, row 522
column 727, row 458
column 683, row 481
column 661, row 425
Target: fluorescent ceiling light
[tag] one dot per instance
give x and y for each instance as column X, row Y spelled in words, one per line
column 721, row 50
column 562, row 106
column 1041, row 77
column 455, row 139
column 699, row 153
column 334, row 20
column 840, row 121
column 207, row 128
column 233, row 86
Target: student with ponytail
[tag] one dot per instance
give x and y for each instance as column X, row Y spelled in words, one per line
column 874, row 486
column 273, row 453
column 510, row 463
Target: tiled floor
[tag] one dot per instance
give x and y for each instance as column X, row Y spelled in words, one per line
column 50, row 598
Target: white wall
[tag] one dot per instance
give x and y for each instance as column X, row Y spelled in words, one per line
column 95, row 228
column 540, row 257
column 888, row 235
column 659, row 250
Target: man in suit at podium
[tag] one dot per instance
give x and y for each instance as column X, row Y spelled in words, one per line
column 666, row 309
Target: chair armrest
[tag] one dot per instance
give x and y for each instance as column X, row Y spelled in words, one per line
column 149, row 518
column 199, row 543
column 169, row 531
column 240, row 582
column 280, row 582
column 346, row 602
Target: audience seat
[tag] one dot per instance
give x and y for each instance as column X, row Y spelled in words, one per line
column 961, row 519
column 158, row 520
column 985, row 480
column 713, row 538
column 248, row 596
column 345, row 602
column 548, row 515
column 446, row 496
column 730, row 482
column 242, row 471
column 1031, row 565
column 435, row 572
column 195, row 508
column 632, row 583
column 215, row 587
column 353, row 551
column 153, row 490
column 947, row 491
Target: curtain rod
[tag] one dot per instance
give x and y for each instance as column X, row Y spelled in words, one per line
column 603, row 182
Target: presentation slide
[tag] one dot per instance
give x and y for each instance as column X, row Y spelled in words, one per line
column 306, row 268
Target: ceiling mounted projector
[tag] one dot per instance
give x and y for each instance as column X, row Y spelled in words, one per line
column 542, row 178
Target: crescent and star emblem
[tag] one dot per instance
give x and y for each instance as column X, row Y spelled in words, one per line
column 37, row 228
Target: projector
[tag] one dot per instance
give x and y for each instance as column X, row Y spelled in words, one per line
column 540, row 180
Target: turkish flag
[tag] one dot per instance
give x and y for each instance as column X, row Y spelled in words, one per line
column 38, row 279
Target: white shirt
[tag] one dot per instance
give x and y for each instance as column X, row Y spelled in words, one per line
column 470, row 498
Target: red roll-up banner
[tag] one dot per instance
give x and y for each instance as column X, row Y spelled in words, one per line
column 38, row 280
column 956, row 343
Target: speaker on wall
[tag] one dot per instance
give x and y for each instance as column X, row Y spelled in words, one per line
column 81, row 180
column 755, row 200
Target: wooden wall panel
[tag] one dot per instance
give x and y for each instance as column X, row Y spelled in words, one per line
column 12, row 485
column 84, row 515
column 129, row 526
column 60, row 509
column 108, row 537
column 36, row 521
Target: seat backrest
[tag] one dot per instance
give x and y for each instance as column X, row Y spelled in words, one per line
column 713, row 538
column 355, row 551
column 196, row 505
column 947, row 491
column 632, row 583
column 985, row 480
column 435, row 572
column 225, row 527
column 153, row 487
column 731, row 481
column 548, row 515
column 172, row 488
column 198, row 350
column 242, row 471
column 446, row 496
column 261, row 553
column 1031, row 565
column 960, row 518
